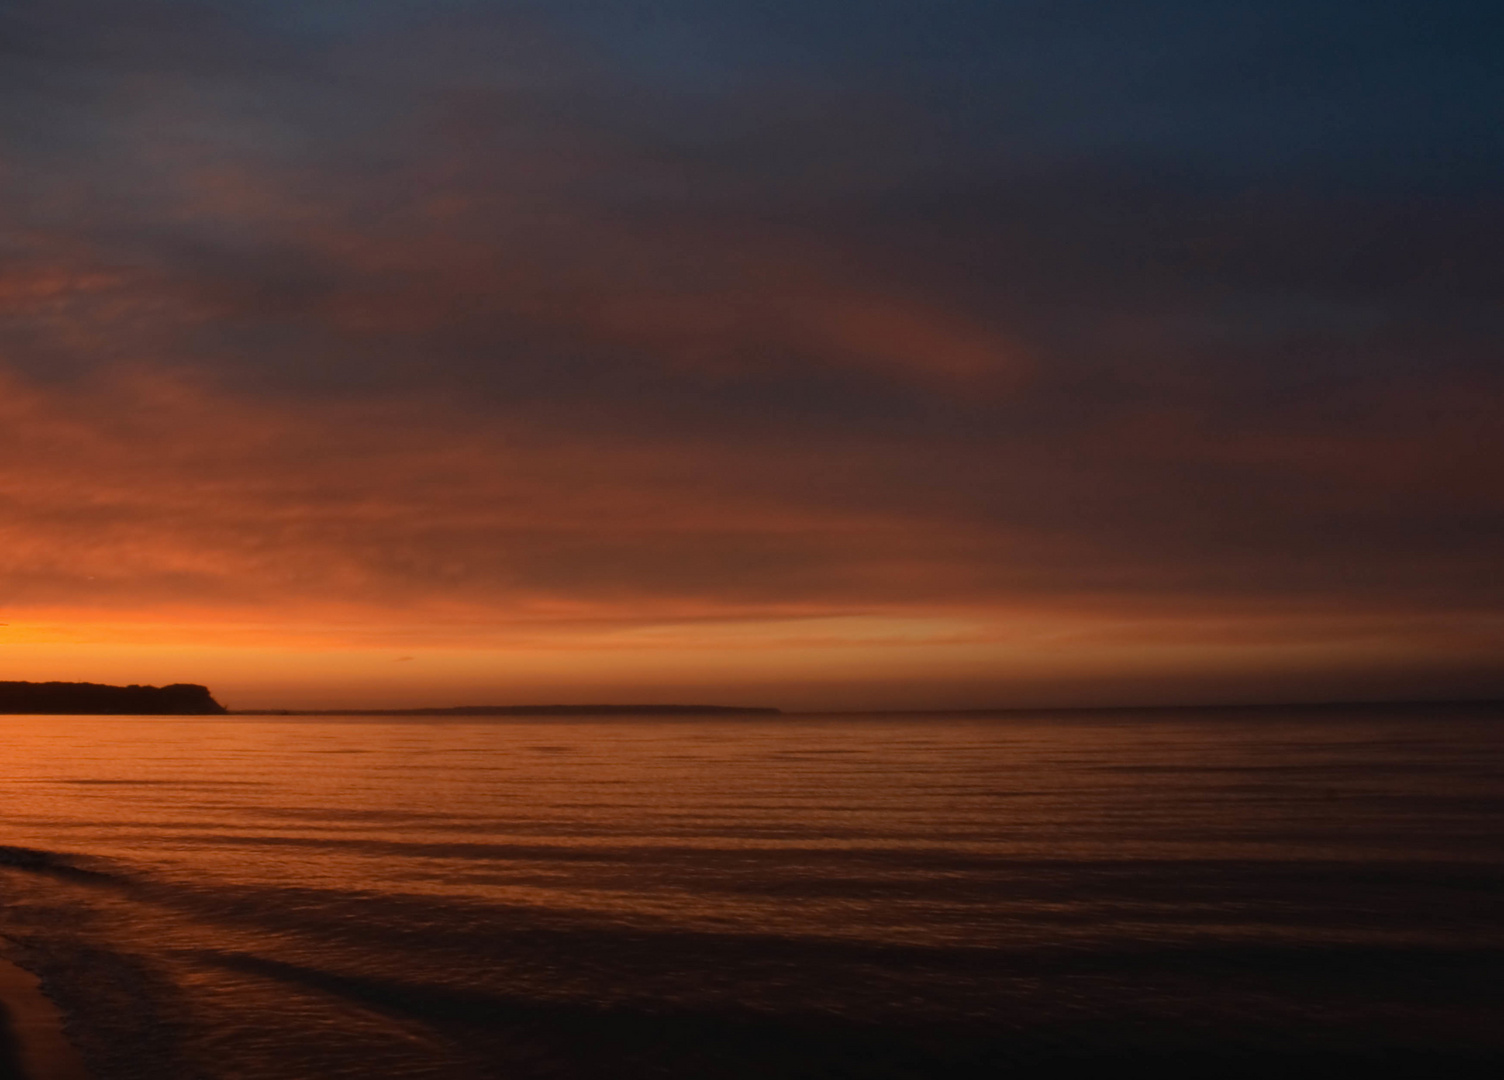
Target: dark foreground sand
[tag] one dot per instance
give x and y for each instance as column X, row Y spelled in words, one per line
column 32, row 1045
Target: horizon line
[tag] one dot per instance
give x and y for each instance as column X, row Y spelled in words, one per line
column 648, row 709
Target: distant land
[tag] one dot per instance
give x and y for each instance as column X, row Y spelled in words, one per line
column 82, row 699
column 535, row 710
column 1491, row 708
column 189, row 699
column 1482, row 706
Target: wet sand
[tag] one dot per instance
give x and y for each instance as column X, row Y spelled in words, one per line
column 32, row 1044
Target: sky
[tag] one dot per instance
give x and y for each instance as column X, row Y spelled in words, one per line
column 811, row 353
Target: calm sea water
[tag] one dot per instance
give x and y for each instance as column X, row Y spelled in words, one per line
column 855, row 897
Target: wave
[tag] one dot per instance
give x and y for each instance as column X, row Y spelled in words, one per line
column 55, row 863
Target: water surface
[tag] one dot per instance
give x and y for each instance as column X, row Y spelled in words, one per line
column 855, row 897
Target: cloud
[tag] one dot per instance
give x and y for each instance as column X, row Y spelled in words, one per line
column 479, row 325
column 140, row 490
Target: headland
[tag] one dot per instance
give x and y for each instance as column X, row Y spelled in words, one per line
column 84, row 699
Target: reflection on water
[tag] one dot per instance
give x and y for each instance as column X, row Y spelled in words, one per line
column 247, row 897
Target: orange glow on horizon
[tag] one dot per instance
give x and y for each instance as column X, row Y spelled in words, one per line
column 289, row 554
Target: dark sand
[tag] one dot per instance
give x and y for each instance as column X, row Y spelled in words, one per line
column 32, row 1044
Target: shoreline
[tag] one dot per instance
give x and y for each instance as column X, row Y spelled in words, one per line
column 38, row 1048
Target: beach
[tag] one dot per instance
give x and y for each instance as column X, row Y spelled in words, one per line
column 34, row 1045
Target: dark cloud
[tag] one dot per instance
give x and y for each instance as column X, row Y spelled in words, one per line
column 754, row 308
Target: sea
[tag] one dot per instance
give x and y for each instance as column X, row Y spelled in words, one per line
column 1200, row 893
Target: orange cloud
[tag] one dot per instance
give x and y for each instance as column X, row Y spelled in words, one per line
column 155, row 522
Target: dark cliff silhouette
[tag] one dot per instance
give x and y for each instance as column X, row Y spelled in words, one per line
column 179, row 699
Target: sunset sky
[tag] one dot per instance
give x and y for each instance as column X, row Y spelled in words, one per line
column 813, row 353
